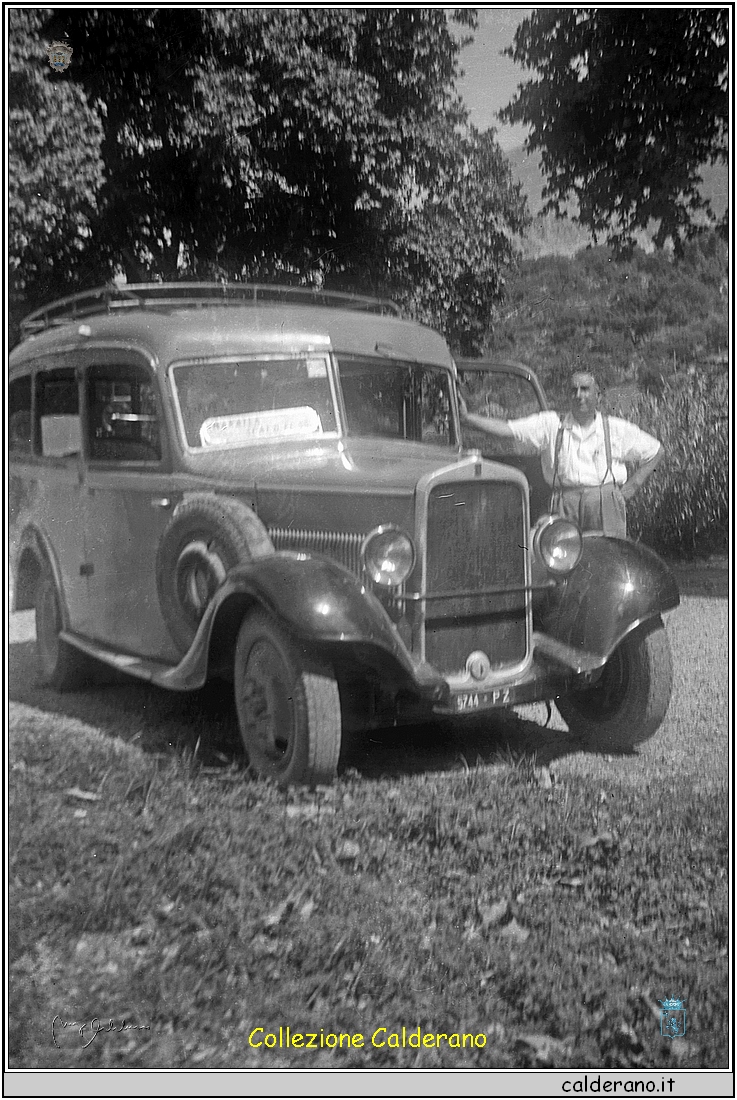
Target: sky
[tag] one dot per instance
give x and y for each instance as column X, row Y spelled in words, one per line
column 490, row 80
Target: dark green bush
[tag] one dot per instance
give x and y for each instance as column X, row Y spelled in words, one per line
column 715, row 332
column 684, row 507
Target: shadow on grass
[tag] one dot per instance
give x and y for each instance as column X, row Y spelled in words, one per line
column 498, row 738
column 158, row 721
column 204, row 722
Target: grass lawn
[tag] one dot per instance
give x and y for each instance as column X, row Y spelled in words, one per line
column 547, row 909
column 547, row 919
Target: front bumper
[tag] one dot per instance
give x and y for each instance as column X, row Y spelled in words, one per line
column 554, row 665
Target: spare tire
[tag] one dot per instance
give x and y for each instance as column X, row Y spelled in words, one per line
column 205, row 538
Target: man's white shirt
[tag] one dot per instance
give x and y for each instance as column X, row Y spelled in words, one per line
column 582, row 456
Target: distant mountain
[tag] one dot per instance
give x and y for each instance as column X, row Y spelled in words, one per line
column 715, row 187
column 526, row 169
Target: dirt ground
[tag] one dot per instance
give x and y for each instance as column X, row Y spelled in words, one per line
column 693, row 736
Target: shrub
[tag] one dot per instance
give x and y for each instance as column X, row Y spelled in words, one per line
column 715, row 332
column 609, row 315
column 684, row 507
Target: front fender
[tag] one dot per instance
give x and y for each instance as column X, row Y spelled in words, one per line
column 317, row 600
column 617, row 585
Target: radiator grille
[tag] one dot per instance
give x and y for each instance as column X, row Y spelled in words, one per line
column 475, row 538
column 341, row 546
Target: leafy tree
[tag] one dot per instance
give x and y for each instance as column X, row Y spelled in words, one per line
column 315, row 145
column 55, row 166
column 626, row 106
column 447, row 264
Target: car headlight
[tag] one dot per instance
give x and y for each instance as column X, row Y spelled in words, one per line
column 388, row 556
column 558, row 544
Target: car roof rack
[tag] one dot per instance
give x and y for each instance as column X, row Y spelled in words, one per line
column 109, row 299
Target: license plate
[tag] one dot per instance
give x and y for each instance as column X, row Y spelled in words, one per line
column 474, row 700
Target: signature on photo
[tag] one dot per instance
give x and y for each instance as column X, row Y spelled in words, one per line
column 93, row 1027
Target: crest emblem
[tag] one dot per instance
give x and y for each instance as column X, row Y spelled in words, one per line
column 672, row 1019
column 60, row 56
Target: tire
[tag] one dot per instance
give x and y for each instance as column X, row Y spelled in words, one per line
column 205, row 538
column 61, row 666
column 629, row 701
column 288, row 706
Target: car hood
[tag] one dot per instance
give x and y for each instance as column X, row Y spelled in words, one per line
column 351, row 464
column 342, row 485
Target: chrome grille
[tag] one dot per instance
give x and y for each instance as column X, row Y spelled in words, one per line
column 341, row 546
column 476, row 538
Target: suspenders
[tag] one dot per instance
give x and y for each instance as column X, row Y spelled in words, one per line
column 558, row 442
column 607, row 446
column 597, row 511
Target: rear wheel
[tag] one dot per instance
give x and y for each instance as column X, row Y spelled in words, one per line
column 628, row 702
column 288, row 706
column 62, row 666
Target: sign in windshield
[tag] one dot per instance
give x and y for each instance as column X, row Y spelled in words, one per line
column 218, row 431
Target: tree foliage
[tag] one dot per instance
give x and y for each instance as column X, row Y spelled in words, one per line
column 448, row 264
column 320, row 145
column 627, row 105
column 55, row 167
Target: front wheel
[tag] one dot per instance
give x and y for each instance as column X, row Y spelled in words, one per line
column 288, row 706
column 628, row 702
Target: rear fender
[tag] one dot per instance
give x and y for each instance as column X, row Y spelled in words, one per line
column 316, row 600
column 616, row 586
column 33, row 550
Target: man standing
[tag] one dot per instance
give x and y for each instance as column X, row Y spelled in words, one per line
column 583, row 456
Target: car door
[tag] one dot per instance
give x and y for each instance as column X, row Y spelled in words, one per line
column 508, row 391
column 54, row 481
column 127, row 501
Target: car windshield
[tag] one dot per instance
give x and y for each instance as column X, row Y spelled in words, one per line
column 230, row 403
column 396, row 399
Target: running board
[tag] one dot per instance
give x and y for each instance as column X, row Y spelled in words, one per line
column 188, row 675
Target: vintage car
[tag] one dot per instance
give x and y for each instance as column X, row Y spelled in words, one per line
column 270, row 486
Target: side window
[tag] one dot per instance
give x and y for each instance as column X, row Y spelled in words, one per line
column 496, row 393
column 123, row 420
column 58, row 426
column 19, row 416
column 499, row 394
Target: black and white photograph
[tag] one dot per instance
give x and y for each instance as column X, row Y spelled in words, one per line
column 368, row 449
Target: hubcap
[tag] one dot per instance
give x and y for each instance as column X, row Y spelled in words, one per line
column 605, row 697
column 266, row 707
